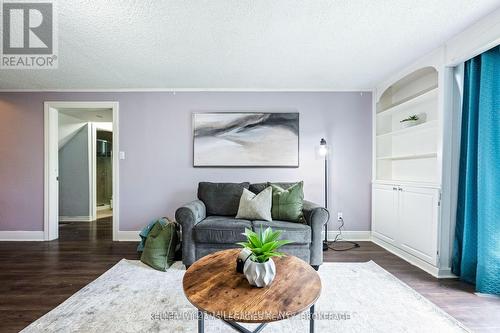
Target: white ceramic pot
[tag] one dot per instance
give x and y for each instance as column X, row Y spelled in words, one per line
column 259, row 274
column 409, row 123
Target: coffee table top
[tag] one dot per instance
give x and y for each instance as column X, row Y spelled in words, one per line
column 213, row 286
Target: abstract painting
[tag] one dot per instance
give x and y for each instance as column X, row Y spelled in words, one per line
column 246, row 139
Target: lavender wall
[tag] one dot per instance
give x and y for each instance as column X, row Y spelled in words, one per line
column 155, row 133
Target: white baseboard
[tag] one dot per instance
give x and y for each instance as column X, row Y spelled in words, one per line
column 75, row 218
column 445, row 273
column 105, row 207
column 440, row 273
column 127, row 236
column 350, row 235
column 28, row 236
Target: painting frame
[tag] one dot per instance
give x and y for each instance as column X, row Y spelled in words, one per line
column 247, row 112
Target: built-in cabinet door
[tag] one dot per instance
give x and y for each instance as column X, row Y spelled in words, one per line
column 418, row 222
column 385, row 212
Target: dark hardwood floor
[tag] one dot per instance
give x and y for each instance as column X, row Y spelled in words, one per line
column 479, row 314
column 35, row 277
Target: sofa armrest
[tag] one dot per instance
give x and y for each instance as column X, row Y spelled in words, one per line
column 316, row 217
column 188, row 216
column 191, row 213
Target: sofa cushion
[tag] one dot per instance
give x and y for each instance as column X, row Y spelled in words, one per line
column 256, row 206
column 221, row 198
column 288, row 203
column 221, row 230
column 296, row 232
column 259, row 187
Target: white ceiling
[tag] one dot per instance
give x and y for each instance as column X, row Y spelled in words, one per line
column 245, row 44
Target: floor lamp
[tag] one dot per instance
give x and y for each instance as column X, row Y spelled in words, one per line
column 323, row 151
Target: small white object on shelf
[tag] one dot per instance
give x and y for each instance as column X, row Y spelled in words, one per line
column 409, row 123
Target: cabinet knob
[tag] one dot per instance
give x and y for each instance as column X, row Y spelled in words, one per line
column 394, row 188
column 401, row 189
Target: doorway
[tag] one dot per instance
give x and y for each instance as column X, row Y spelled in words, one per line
column 81, row 167
column 104, row 173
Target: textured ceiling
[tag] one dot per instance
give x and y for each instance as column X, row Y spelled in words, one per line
column 246, row 44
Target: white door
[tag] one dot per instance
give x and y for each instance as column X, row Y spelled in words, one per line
column 51, row 171
column 418, row 235
column 385, row 212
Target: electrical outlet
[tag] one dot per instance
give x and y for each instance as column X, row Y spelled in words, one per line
column 339, row 216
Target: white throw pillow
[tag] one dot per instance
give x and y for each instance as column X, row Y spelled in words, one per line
column 256, row 207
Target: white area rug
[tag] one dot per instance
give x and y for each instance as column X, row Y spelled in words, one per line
column 356, row 297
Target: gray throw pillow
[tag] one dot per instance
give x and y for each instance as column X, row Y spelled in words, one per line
column 259, row 187
column 256, row 206
column 221, row 198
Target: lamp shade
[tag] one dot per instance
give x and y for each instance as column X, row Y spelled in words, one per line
column 323, row 148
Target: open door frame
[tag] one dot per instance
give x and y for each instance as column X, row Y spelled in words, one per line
column 93, row 166
column 51, row 165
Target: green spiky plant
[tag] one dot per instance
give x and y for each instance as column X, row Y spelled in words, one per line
column 264, row 244
column 410, row 118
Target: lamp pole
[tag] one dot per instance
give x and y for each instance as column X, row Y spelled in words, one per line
column 324, row 151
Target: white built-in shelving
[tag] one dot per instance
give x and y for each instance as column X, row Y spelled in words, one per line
column 408, row 166
column 408, row 154
column 420, row 127
column 407, row 157
column 416, row 99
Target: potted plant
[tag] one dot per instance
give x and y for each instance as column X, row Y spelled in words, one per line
column 259, row 268
column 410, row 121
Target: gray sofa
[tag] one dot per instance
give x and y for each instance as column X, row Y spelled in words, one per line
column 209, row 224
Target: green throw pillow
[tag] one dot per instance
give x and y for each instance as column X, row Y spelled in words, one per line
column 287, row 204
column 161, row 243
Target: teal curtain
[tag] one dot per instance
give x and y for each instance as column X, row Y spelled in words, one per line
column 476, row 255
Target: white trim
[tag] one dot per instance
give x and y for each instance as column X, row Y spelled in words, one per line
column 51, row 214
column 442, row 273
column 92, row 171
column 116, row 171
column 28, row 236
column 127, row 236
column 374, row 138
column 76, row 218
column 406, row 183
column 81, row 104
column 473, row 40
column 445, row 273
column 51, row 172
column 46, row 173
column 175, row 90
column 362, row 236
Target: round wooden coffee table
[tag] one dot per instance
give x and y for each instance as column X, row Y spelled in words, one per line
column 214, row 287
